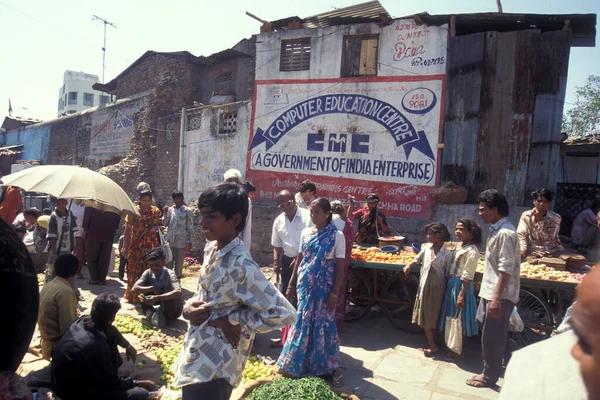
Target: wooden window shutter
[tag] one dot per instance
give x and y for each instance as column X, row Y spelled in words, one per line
column 368, row 57
column 295, row 55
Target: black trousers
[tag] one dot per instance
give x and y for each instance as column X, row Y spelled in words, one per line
column 98, row 259
column 122, row 266
column 286, row 271
column 219, row 389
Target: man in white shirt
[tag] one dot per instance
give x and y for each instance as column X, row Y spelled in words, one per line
column 287, row 231
column 235, row 176
column 499, row 291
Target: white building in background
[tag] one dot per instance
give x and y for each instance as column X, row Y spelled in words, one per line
column 76, row 93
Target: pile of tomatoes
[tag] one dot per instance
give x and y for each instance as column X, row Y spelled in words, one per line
column 373, row 254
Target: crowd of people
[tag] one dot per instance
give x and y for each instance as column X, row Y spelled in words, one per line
column 312, row 241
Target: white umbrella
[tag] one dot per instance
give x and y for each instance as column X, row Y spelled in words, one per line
column 83, row 186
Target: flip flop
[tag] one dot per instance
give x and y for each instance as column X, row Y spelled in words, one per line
column 337, row 382
column 478, row 382
column 429, row 353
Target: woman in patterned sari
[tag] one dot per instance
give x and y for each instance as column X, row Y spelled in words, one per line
column 312, row 346
column 139, row 238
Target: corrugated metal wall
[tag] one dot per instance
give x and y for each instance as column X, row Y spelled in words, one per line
column 504, row 104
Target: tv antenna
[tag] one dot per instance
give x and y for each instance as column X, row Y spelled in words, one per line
column 106, row 23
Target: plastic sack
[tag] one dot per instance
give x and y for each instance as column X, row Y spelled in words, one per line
column 453, row 333
column 166, row 248
column 515, row 323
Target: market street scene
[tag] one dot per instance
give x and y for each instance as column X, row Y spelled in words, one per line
column 318, row 201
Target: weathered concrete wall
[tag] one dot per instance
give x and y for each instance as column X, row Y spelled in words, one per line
column 208, row 152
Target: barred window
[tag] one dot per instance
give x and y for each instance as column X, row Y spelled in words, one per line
column 295, row 55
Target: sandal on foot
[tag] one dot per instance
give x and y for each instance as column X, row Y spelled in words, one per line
column 337, row 381
column 479, row 382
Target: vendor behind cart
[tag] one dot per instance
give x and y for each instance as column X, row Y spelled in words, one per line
column 372, row 223
column 538, row 228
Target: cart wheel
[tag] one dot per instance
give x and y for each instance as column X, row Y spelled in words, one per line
column 398, row 296
column 537, row 318
column 357, row 285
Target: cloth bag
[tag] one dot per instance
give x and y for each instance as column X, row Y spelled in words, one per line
column 453, row 333
column 166, row 248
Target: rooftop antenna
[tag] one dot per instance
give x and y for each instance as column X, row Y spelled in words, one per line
column 97, row 18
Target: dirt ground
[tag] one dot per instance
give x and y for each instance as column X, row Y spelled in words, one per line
column 151, row 369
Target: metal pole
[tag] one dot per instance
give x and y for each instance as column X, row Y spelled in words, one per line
column 104, row 53
column 182, row 130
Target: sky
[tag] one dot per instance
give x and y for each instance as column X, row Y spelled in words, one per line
column 41, row 39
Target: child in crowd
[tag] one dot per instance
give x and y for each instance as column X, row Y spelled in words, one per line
column 459, row 294
column 435, row 260
column 61, row 234
column 234, row 301
column 180, row 225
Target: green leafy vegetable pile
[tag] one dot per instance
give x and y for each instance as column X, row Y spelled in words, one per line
column 294, row 389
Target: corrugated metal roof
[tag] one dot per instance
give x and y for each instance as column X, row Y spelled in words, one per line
column 582, row 140
column 582, row 26
column 363, row 12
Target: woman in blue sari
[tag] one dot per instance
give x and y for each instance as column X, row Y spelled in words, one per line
column 313, row 346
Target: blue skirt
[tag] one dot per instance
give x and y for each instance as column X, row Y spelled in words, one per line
column 469, row 310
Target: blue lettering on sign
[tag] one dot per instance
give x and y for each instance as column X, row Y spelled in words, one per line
column 402, row 131
column 337, row 144
column 316, row 142
column 360, row 144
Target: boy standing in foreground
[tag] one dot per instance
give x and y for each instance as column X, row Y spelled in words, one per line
column 234, row 302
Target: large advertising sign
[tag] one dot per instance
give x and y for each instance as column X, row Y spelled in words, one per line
column 356, row 136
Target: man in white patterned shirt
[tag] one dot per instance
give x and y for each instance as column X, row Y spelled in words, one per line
column 234, row 302
column 499, row 291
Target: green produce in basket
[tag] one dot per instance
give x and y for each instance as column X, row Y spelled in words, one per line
column 294, row 389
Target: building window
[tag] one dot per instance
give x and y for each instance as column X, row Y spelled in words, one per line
column 72, row 98
column 224, row 77
column 104, row 100
column 295, row 55
column 228, row 123
column 88, row 99
column 170, row 132
column 359, row 55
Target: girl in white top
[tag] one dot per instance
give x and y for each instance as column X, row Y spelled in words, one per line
column 435, row 259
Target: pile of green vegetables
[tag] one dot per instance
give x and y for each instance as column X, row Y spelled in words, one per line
column 294, row 389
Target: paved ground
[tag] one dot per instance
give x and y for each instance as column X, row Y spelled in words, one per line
column 379, row 362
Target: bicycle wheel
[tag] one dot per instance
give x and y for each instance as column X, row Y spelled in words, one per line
column 398, row 298
column 537, row 319
column 358, row 296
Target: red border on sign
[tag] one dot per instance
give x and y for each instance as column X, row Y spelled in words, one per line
column 420, row 189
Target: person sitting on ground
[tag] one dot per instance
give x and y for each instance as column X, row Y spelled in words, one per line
column 27, row 219
column 86, row 361
column 372, row 223
column 250, row 189
column 58, row 304
column 234, row 302
column 538, row 228
column 159, row 285
column 306, row 193
column 585, row 227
